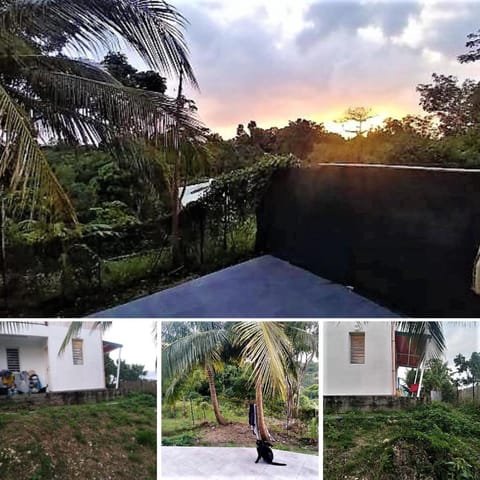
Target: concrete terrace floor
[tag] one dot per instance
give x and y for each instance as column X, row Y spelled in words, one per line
column 264, row 287
column 223, row 463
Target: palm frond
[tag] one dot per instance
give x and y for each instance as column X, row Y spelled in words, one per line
column 23, row 163
column 303, row 336
column 124, row 111
column 266, row 348
column 79, row 67
column 75, row 328
column 173, row 390
column 199, row 347
column 432, row 329
column 12, row 326
column 152, row 27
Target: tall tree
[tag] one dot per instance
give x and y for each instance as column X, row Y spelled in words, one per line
column 469, row 369
column 128, row 372
column 266, row 348
column 119, row 67
column 43, row 92
column 299, row 138
column 202, row 346
column 473, row 47
column 457, row 106
column 304, row 340
column 358, row 115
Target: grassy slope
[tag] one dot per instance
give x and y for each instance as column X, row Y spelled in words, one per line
column 430, row 442
column 111, row 440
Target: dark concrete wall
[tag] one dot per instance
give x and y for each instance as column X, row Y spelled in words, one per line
column 343, row 404
column 406, row 238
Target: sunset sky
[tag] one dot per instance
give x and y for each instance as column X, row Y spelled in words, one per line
column 277, row 60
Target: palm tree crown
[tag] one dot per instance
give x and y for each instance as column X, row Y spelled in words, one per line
column 45, row 93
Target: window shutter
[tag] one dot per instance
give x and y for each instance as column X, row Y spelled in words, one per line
column 13, row 360
column 77, row 351
column 357, row 348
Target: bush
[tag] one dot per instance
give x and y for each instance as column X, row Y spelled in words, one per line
column 184, row 440
column 147, row 438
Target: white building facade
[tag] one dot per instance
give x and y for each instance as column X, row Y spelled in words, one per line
column 359, row 358
column 36, row 347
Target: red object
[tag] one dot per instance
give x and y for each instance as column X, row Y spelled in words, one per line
column 414, row 388
column 408, row 349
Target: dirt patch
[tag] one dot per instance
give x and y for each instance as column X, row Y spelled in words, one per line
column 236, row 433
column 240, row 435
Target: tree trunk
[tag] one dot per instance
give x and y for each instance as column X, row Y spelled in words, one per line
column 213, row 396
column 289, row 403
column 3, row 256
column 191, row 411
column 175, row 237
column 262, row 426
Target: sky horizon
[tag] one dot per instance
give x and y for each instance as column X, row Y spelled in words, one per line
column 278, row 61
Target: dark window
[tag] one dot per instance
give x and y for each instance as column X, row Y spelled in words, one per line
column 13, row 360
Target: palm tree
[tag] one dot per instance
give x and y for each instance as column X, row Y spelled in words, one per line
column 266, row 349
column 46, row 93
column 202, row 346
column 304, row 339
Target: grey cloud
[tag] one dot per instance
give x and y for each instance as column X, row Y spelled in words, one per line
column 392, row 17
column 328, row 17
column 243, row 75
column 450, row 34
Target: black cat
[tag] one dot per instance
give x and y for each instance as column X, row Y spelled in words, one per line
column 264, row 451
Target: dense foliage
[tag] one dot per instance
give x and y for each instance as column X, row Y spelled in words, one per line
column 220, row 368
column 127, row 372
column 430, row 442
column 125, row 232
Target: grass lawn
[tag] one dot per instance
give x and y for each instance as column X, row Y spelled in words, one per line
column 103, row 441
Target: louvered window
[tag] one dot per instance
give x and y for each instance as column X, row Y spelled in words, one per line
column 77, row 350
column 357, row 348
column 13, row 360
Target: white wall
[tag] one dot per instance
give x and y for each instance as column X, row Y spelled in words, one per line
column 375, row 376
column 39, row 347
column 64, row 375
column 31, row 352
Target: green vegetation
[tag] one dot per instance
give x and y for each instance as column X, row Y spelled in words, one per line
column 94, row 217
column 213, row 371
column 119, row 253
column 127, row 371
column 97, row 441
column 434, row 441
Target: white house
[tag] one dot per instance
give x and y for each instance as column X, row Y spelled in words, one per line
column 35, row 347
column 363, row 357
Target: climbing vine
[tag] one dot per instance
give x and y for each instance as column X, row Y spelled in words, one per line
column 223, row 220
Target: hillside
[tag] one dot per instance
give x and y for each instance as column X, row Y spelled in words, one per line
column 110, row 440
column 430, row 442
